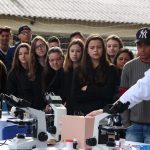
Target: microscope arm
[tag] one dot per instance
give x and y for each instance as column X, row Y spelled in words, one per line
column 117, row 107
column 59, row 112
column 37, row 114
column 14, row 101
column 97, row 122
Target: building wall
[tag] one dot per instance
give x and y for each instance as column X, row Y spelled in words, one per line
column 45, row 26
column 63, row 28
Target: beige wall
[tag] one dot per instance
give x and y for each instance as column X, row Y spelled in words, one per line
column 59, row 27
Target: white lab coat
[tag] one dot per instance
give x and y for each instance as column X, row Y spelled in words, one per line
column 138, row 92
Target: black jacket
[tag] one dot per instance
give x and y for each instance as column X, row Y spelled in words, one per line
column 20, row 86
column 60, row 82
column 39, row 99
column 3, row 77
column 49, row 77
column 97, row 95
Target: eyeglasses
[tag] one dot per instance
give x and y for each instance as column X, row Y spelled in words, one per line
column 26, row 32
column 40, row 46
column 58, row 59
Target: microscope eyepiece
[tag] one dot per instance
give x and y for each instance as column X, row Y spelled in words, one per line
column 14, row 101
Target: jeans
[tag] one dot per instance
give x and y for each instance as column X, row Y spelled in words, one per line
column 138, row 133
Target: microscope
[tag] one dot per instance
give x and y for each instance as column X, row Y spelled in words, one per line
column 54, row 118
column 39, row 133
column 104, row 134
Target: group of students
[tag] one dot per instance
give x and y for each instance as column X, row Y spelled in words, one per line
column 84, row 77
column 136, row 91
column 89, row 76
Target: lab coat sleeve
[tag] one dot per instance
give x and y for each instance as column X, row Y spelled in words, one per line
column 138, row 92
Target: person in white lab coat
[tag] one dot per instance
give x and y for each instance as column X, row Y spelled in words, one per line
column 134, row 95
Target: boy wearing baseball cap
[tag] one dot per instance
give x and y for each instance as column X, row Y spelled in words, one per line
column 137, row 118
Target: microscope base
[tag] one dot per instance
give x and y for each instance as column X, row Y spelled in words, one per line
column 25, row 144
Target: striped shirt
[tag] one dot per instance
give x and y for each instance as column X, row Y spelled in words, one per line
column 132, row 72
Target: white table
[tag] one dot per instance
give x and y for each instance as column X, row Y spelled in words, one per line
column 3, row 123
column 5, row 147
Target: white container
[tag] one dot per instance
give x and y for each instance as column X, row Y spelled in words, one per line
column 121, row 143
column 69, row 145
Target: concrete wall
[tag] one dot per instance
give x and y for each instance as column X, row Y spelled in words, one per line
column 63, row 27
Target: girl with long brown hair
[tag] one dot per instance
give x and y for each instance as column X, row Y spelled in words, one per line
column 62, row 84
column 54, row 65
column 39, row 48
column 113, row 45
column 95, row 81
column 18, row 82
column 38, row 53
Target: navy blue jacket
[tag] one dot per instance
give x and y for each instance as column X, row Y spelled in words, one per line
column 10, row 55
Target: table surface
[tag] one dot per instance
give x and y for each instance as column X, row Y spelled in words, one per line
column 5, row 116
column 3, row 119
column 5, row 147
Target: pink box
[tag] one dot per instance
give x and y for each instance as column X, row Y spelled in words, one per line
column 77, row 127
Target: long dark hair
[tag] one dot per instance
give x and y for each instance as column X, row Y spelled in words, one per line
column 49, row 74
column 50, row 51
column 33, row 63
column 16, row 63
column 54, row 50
column 123, row 50
column 86, row 63
column 115, row 38
column 68, row 64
